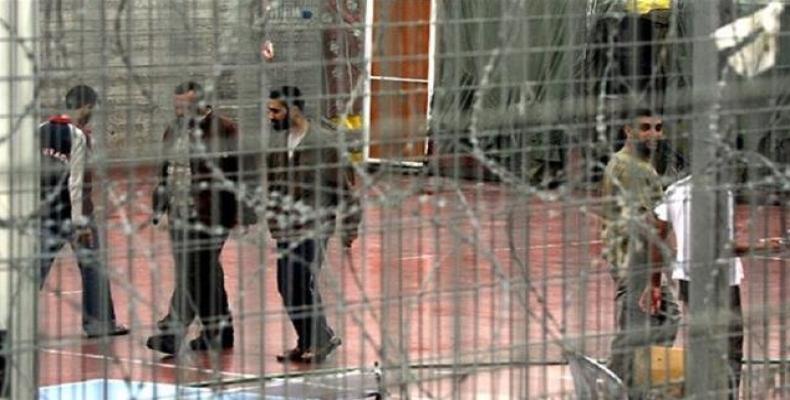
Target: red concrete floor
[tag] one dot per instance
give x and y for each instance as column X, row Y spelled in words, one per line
column 438, row 276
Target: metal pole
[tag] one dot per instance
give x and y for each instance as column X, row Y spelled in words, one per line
column 706, row 366
column 18, row 190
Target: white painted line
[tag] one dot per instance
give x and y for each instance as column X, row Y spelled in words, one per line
column 145, row 363
column 67, row 293
column 398, row 79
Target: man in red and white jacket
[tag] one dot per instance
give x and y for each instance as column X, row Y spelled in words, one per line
column 67, row 209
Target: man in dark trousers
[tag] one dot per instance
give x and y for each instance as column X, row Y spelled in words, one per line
column 197, row 189
column 67, row 209
column 309, row 189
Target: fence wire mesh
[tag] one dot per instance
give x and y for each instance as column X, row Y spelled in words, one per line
column 394, row 199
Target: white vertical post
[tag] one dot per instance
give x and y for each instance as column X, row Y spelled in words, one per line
column 18, row 190
column 431, row 67
column 366, row 108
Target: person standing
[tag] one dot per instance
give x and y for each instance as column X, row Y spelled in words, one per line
column 197, row 191
column 646, row 311
column 67, row 209
column 675, row 210
column 309, row 190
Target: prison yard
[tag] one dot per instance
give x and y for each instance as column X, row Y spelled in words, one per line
column 400, row 199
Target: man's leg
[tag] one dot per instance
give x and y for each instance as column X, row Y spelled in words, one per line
column 183, row 307
column 319, row 331
column 635, row 52
column 289, row 265
column 620, row 357
column 211, row 296
column 297, row 272
column 735, row 333
column 98, row 310
column 634, row 330
column 50, row 242
column 735, row 340
column 665, row 325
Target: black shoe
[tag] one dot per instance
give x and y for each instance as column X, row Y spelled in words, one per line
column 115, row 330
column 210, row 339
column 164, row 342
column 294, row 354
column 320, row 354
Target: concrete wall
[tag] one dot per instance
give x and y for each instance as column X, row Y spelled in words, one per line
column 135, row 56
column 141, row 49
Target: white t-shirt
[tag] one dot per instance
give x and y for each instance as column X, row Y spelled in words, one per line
column 293, row 142
column 675, row 209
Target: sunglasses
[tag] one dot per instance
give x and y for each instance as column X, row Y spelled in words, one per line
column 646, row 127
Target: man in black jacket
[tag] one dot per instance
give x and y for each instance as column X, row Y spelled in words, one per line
column 198, row 188
column 309, row 190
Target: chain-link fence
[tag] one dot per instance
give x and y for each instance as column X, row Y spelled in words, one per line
column 394, row 199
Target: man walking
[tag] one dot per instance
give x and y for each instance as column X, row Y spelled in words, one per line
column 646, row 311
column 198, row 191
column 309, row 188
column 67, row 209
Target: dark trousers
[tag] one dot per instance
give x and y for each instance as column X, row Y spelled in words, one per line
column 200, row 281
column 641, row 41
column 98, row 311
column 298, row 265
column 734, row 333
column 637, row 330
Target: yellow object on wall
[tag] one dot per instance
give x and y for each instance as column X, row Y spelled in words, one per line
column 645, row 6
column 353, row 125
column 349, row 122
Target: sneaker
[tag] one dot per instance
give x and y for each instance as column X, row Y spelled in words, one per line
column 209, row 339
column 164, row 342
column 115, row 330
column 319, row 355
column 294, row 354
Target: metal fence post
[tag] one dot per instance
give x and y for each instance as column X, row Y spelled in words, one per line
column 706, row 366
column 18, row 191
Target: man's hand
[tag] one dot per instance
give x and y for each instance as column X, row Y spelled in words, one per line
column 267, row 50
column 348, row 240
column 650, row 300
column 771, row 244
column 85, row 237
column 159, row 221
column 242, row 231
column 774, row 244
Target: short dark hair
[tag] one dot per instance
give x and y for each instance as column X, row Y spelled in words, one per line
column 290, row 95
column 79, row 96
column 628, row 116
column 189, row 86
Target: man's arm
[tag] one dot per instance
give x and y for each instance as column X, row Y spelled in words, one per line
column 245, row 171
column 644, row 184
column 77, row 161
column 341, row 175
column 160, row 201
column 766, row 245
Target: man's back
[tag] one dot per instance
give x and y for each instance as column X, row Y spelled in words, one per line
column 676, row 210
column 56, row 142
